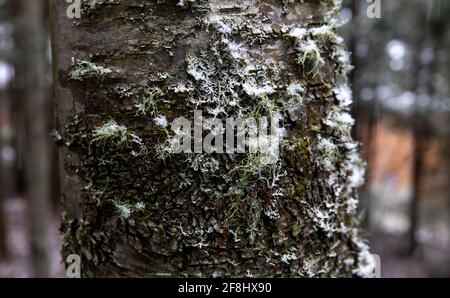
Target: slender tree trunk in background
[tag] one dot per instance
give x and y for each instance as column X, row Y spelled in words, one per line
column 440, row 25
column 419, row 149
column 447, row 147
column 6, row 167
column 421, row 129
column 370, row 143
column 3, row 247
column 4, row 125
column 448, row 194
column 37, row 147
column 132, row 207
column 16, row 95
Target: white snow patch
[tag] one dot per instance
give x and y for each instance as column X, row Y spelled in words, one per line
column 252, row 89
column 343, row 95
column 298, row 33
column 295, row 89
column 161, row 120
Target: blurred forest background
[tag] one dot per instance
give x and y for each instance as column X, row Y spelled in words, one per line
column 402, row 109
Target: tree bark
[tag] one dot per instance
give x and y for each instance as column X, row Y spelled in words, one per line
column 133, row 208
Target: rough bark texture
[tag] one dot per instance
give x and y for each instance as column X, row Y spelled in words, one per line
column 132, row 208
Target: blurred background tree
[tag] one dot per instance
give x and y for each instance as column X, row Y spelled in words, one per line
column 27, row 151
column 402, row 106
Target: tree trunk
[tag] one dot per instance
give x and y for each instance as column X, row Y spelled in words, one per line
column 419, row 150
column 133, row 207
column 37, row 145
column 3, row 246
column 5, row 130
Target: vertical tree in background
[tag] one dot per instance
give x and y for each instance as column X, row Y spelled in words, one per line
column 432, row 16
column 131, row 207
column 364, row 129
column 5, row 134
column 6, row 169
column 37, row 147
column 3, row 168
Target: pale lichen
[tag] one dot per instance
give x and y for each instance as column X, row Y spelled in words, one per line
column 148, row 106
column 310, row 54
column 113, row 132
column 84, row 69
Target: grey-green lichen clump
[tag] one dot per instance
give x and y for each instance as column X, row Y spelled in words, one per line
column 87, row 70
column 146, row 211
